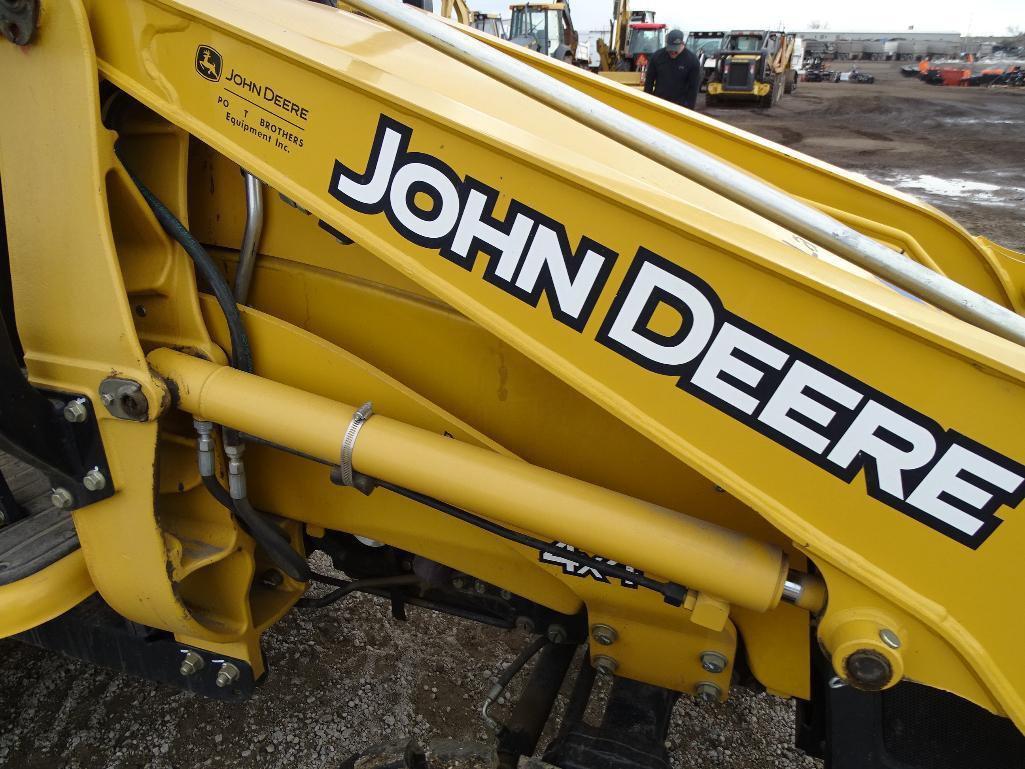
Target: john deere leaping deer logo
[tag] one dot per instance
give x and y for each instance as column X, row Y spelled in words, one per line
column 208, row 63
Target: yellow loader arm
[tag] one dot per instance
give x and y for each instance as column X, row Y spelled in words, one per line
column 507, row 364
column 901, row 221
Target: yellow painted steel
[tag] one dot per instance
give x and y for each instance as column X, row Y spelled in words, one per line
column 900, row 220
column 659, row 541
column 40, row 597
column 491, row 132
column 658, row 643
column 758, row 89
column 448, row 351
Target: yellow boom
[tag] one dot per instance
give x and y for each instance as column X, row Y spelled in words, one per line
column 604, row 389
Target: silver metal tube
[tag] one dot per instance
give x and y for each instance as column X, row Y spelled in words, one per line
column 705, row 169
column 250, row 237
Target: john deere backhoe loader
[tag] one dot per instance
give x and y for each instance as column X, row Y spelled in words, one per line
column 286, row 278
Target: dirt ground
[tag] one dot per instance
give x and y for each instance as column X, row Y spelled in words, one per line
column 349, row 676
column 960, row 149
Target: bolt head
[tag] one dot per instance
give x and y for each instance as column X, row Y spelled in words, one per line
column 94, row 480
column 706, row 691
column 557, row 634
column 458, row 583
column 227, row 675
column 480, row 587
column 889, row 638
column 713, row 662
column 75, row 411
column 605, row 665
column 192, row 664
column 604, row 635
column 61, row 498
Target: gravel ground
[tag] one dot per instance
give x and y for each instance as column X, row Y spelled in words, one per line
column 342, row 679
column 349, row 676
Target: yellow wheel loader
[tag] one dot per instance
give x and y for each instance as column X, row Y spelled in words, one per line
column 754, row 66
column 282, row 278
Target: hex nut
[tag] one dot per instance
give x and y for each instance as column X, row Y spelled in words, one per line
column 192, row 664
column 227, row 675
column 605, row 635
column 94, row 480
column 61, row 498
column 76, row 411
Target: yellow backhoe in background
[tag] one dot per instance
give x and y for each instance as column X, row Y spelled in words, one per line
column 755, row 66
column 546, row 28
column 633, row 37
column 285, row 278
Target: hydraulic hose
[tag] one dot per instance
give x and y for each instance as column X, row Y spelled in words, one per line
column 269, row 536
column 217, row 491
column 241, row 352
column 507, row 676
column 357, row 585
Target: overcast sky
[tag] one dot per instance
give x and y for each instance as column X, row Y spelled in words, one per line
column 975, row 17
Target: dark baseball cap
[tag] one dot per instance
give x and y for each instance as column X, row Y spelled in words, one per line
column 674, row 40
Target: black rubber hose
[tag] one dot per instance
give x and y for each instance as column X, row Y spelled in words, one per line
column 356, row 585
column 525, row 655
column 269, row 536
column 218, row 492
column 241, row 352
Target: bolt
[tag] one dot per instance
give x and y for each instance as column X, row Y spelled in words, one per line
column 271, row 578
column 526, row 624
column 227, row 675
column 3, row 517
column 124, row 398
column 889, row 638
column 480, row 587
column 61, row 498
column 605, row 665
column 94, row 480
column 76, row 411
column 714, row 662
column 557, row 634
column 192, row 664
column 868, row 669
column 505, row 595
column 458, row 583
column 605, row 635
column 706, row 691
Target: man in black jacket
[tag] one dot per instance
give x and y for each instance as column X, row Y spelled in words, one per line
column 674, row 73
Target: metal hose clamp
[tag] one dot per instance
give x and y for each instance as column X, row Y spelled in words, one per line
column 363, row 413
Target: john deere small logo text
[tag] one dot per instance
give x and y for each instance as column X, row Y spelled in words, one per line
column 208, row 63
